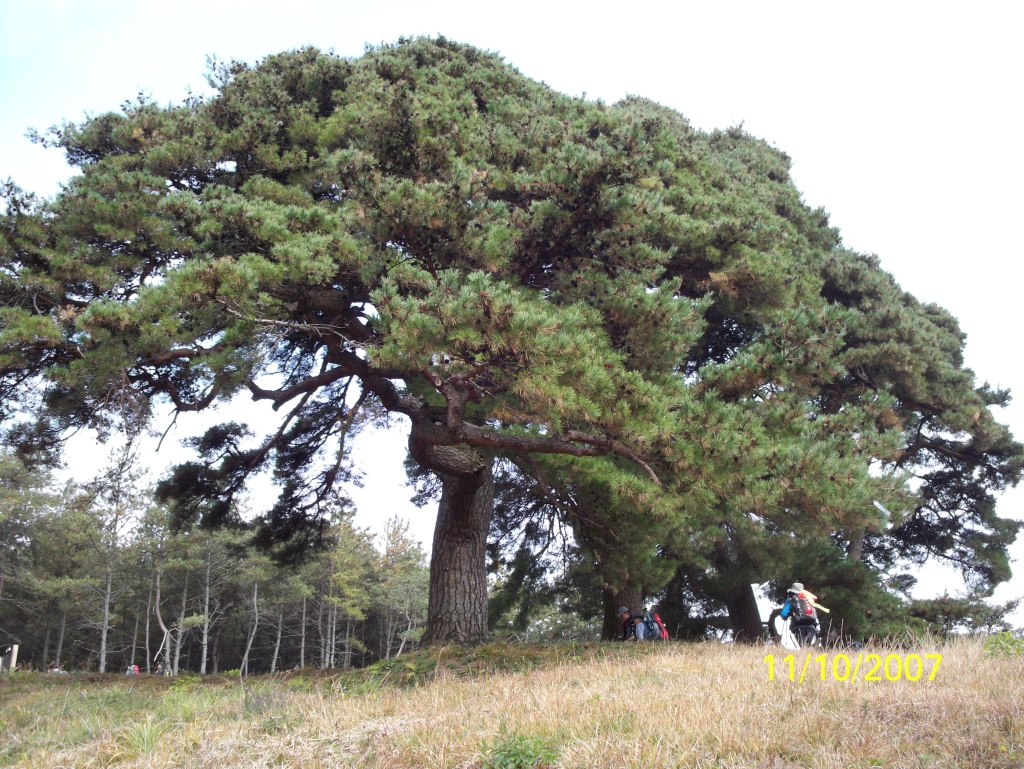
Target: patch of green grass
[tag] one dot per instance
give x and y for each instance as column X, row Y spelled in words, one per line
column 512, row 750
column 142, row 738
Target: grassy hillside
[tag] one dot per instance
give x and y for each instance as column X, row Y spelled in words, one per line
column 588, row 706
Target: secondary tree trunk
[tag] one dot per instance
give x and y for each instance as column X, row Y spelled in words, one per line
column 631, row 598
column 106, row 620
column 207, row 589
column 744, row 614
column 277, row 641
column 457, row 606
column 149, row 614
column 135, row 635
column 181, row 626
column 302, row 637
column 252, row 634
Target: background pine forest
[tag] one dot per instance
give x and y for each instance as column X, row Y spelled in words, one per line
column 94, row 577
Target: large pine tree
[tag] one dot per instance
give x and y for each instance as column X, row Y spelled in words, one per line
column 643, row 318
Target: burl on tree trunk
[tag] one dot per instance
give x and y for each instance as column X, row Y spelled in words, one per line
column 457, row 607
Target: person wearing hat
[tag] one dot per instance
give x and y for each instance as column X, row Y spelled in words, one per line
column 799, row 609
column 632, row 625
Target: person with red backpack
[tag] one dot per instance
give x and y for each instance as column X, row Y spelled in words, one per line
column 799, row 609
column 641, row 627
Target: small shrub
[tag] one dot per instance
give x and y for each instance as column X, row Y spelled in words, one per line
column 519, row 751
column 1005, row 643
column 186, row 681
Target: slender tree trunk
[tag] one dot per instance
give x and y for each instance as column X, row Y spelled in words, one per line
column 46, row 647
column 457, row 606
column 106, row 620
column 631, row 598
column 302, row 637
column 334, row 635
column 277, row 642
column 135, row 635
column 60, row 637
column 149, row 617
column 320, row 632
column 216, row 650
column 206, row 614
column 744, row 614
column 160, row 621
column 347, row 662
column 405, row 635
column 181, row 626
column 255, row 624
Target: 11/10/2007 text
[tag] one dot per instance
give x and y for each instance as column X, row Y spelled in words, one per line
column 866, row 667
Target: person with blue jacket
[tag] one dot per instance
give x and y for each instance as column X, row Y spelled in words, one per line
column 799, row 610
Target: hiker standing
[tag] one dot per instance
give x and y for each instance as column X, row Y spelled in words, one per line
column 799, row 609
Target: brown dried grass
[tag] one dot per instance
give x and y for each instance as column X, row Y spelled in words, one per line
column 678, row 705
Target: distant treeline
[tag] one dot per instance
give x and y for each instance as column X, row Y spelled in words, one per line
column 94, row 578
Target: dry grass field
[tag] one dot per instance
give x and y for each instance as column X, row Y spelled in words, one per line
column 599, row 705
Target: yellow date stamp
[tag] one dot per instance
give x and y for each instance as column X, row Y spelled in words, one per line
column 863, row 667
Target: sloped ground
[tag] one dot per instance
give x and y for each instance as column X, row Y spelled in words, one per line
column 599, row 705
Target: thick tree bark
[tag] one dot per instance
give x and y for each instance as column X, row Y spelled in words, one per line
column 744, row 614
column 457, row 606
column 611, row 630
column 856, row 547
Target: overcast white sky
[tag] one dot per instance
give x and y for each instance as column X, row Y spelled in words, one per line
column 902, row 119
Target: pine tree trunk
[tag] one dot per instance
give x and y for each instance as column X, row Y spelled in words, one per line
column 744, row 614
column 277, row 642
column 348, row 644
column 107, row 621
column 457, row 606
column 206, row 614
column 60, row 636
column 162, row 624
column 302, row 637
column 332, row 649
column 181, row 626
column 135, row 635
column 149, row 615
column 856, row 547
column 320, row 632
column 611, row 629
column 216, row 651
column 255, row 624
